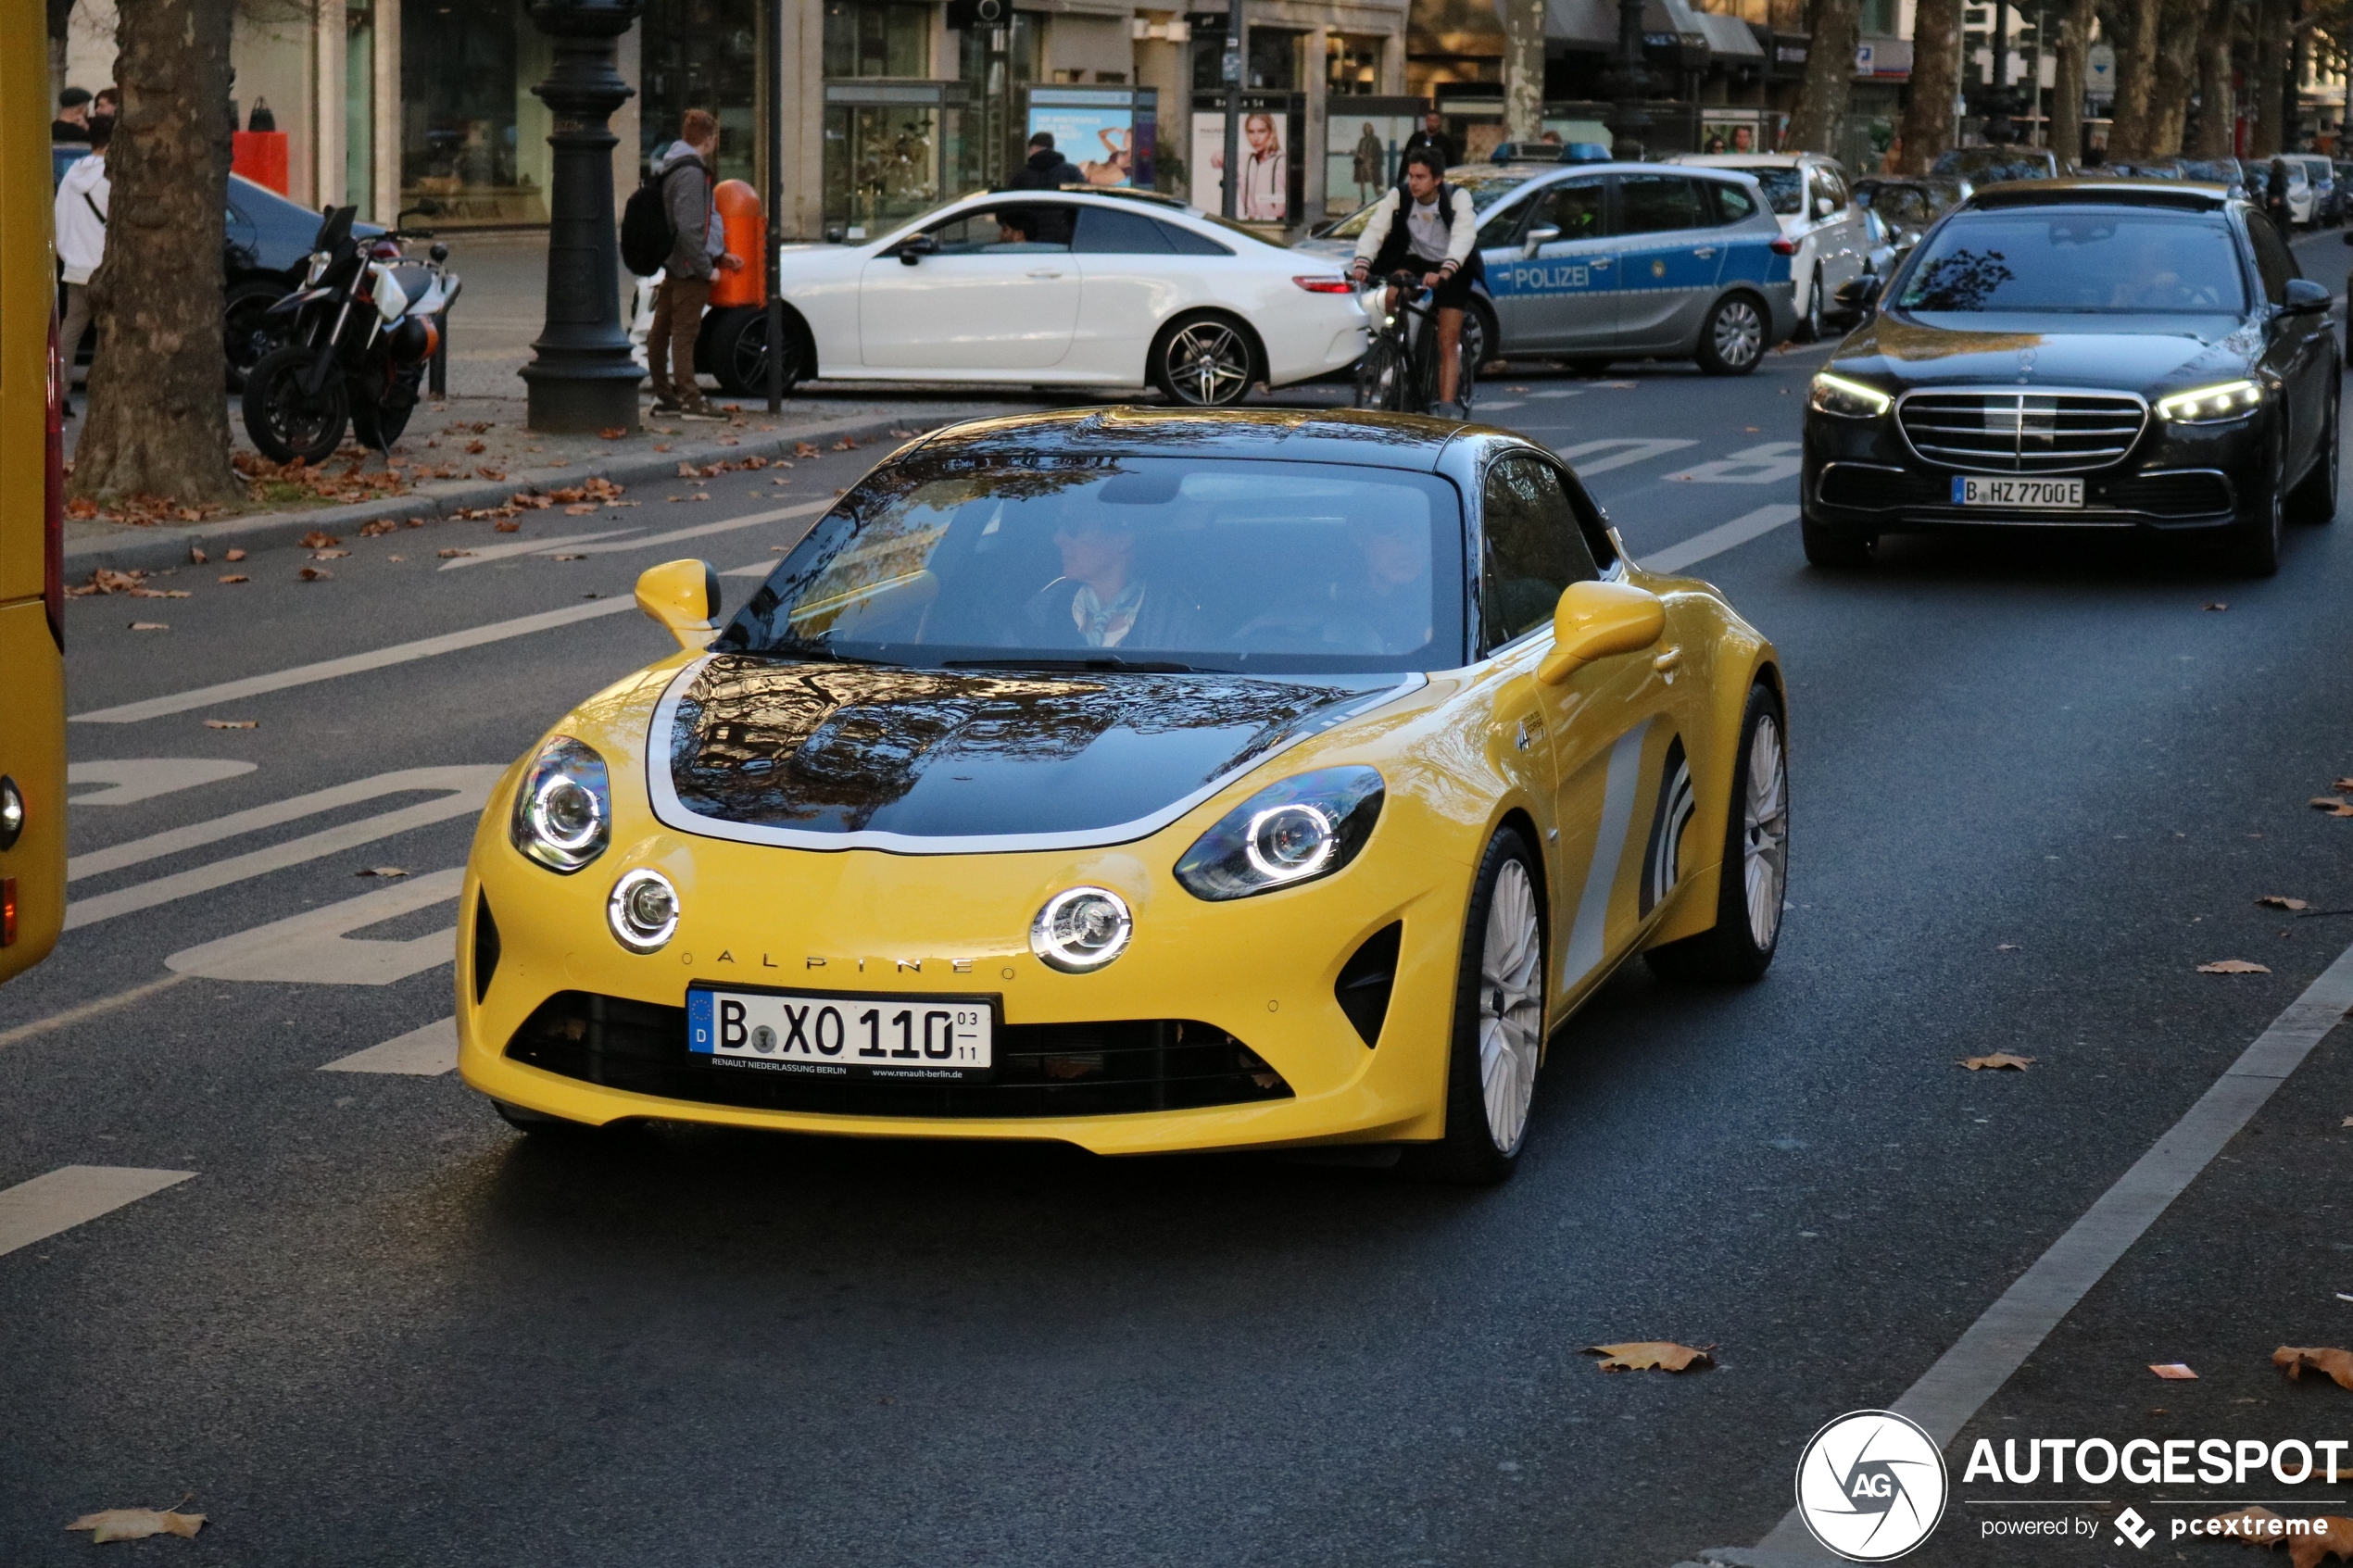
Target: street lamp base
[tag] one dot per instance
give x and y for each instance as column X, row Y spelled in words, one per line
column 570, row 402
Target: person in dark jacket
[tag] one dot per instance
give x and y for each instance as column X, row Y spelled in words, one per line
column 1431, row 135
column 1101, row 600
column 1047, row 169
column 2276, row 196
column 698, row 247
column 72, row 123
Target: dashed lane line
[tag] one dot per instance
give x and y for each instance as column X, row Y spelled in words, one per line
column 74, row 1195
column 1634, row 449
column 424, row 1053
column 1716, row 540
column 483, row 555
column 74, row 1015
column 470, row 784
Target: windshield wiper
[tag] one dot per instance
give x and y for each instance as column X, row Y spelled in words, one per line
column 1099, row 662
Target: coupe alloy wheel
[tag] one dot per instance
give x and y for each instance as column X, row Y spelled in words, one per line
column 1511, row 1005
column 1206, row 364
column 1765, row 839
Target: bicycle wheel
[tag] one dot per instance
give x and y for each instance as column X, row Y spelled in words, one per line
column 1383, row 376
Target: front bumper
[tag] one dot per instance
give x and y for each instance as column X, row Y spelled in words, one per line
column 1861, row 478
column 1250, row 982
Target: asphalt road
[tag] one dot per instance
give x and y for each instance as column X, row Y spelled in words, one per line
column 2037, row 781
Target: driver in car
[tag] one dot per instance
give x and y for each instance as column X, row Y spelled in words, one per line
column 1100, row 601
column 1386, row 607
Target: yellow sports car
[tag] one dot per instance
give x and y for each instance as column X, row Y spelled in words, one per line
column 1142, row 780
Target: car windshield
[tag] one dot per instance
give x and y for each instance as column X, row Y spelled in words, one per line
column 1111, row 562
column 2096, row 260
column 1485, row 189
column 2224, row 171
column 1784, row 186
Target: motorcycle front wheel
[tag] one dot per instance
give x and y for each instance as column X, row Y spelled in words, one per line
column 285, row 421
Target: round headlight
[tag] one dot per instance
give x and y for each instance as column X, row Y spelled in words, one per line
column 1289, row 842
column 566, row 814
column 11, row 814
column 1081, row 929
column 643, row 910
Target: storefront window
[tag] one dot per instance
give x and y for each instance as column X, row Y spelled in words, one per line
column 469, row 143
column 877, row 38
column 701, row 55
column 1352, row 65
column 892, row 153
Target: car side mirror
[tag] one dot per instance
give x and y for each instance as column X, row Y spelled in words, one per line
column 1597, row 620
column 683, row 597
column 916, row 248
column 1858, row 292
column 2305, row 296
column 1823, row 206
column 1538, row 238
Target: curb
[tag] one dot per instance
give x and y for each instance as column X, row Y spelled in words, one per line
column 151, row 549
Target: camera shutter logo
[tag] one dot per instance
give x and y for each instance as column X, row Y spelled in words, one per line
column 1871, row 1485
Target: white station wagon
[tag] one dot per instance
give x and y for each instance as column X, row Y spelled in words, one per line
column 1061, row 288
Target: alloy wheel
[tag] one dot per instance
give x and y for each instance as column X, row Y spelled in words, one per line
column 1740, row 336
column 1765, row 838
column 1208, row 365
column 1511, row 1004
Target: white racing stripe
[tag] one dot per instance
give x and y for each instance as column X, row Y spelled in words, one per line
column 74, row 1195
column 1722, row 537
column 423, row 1053
column 311, row 949
column 1950, row 1392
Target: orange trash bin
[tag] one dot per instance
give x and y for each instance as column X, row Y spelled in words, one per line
column 747, row 234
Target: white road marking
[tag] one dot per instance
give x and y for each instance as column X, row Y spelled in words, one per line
column 1950, row 1392
column 73, row 1015
column 1636, row 450
column 529, row 547
column 756, row 569
column 470, row 783
column 1565, row 392
column 425, row 1053
column 1768, row 464
column 726, row 525
column 352, row 664
column 144, row 778
column 74, row 1195
column 1716, row 540
column 1506, row 403
column 469, row 795
column 312, row 947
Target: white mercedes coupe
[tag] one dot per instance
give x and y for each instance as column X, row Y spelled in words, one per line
column 1113, row 289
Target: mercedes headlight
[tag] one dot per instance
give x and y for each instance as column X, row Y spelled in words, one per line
column 563, row 813
column 2211, row 404
column 1848, row 399
column 1287, row 834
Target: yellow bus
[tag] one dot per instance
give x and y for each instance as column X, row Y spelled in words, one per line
column 33, row 667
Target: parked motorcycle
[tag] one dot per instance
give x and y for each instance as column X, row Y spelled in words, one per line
column 356, row 340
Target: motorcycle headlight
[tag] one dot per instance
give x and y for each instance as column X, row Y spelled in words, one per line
column 1287, row 834
column 2211, row 404
column 1848, row 399
column 563, row 813
column 319, row 259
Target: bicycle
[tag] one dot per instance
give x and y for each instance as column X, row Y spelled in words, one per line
column 1399, row 372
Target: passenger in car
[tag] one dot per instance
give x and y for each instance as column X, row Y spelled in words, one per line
column 1384, row 606
column 1101, row 600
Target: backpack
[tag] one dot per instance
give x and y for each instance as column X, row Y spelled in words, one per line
column 645, row 235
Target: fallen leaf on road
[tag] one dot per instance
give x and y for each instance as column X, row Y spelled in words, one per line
column 396, row 558
column 149, row 626
column 2338, row 1364
column 2233, row 966
column 611, row 433
column 197, row 556
column 382, row 526
column 2173, row 1371
column 805, row 449
column 509, row 526
column 2218, row 604
column 314, row 575
column 2329, row 805
column 494, row 475
column 581, row 510
column 476, row 448
column 105, row 580
column 316, row 540
column 159, row 594
column 699, row 496
column 233, row 555
column 236, row 577
column 2005, row 946
column 573, row 557
column 2335, row 1540
column 2343, row 787
column 451, row 555
column 231, row 723
column 380, row 871
column 137, row 1523
column 1648, row 1355
column 662, row 446
column 2346, row 1122
column 329, row 555
column 1998, row 1059
column 2280, row 901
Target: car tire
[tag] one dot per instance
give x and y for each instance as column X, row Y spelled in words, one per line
column 736, row 351
column 1205, row 360
column 1755, row 875
column 283, row 422
column 2251, row 547
column 1732, row 341
column 1812, row 328
column 244, row 334
column 1482, row 339
column 2314, row 500
column 1498, row 1036
column 374, row 425
column 1834, row 552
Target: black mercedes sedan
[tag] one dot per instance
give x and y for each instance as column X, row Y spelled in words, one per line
column 2081, row 352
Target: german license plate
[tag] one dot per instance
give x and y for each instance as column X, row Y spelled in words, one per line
column 2027, row 494
column 836, row 1035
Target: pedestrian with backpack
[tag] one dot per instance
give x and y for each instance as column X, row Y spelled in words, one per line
column 679, row 190
column 81, row 215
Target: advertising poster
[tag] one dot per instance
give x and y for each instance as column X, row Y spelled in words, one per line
column 1099, row 131
column 1723, row 131
column 1265, row 173
column 1361, row 155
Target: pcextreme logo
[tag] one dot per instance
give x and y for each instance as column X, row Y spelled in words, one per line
column 1870, row 1485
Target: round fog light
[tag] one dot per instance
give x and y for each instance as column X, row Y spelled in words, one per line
column 643, row 910
column 11, row 814
column 1081, row 929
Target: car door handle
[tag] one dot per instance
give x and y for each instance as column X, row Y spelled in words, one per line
column 1703, row 252
column 1044, row 273
column 1598, row 261
column 1670, row 660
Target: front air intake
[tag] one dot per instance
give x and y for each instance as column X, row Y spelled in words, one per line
column 485, row 946
column 1367, row 979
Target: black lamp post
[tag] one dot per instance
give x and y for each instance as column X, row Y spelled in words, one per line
column 1629, row 82
column 583, row 378
column 1997, row 102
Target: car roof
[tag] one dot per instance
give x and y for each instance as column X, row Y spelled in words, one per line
column 1549, row 174
column 2193, row 195
column 1328, row 436
column 1747, row 160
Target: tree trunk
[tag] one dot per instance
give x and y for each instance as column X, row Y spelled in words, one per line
column 2128, row 134
column 60, row 18
column 1830, row 76
column 2271, row 65
column 2066, row 80
column 2176, row 74
column 158, row 418
column 1523, row 69
column 2217, row 110
column 1936, row 79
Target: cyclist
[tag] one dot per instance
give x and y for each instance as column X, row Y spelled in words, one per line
column 1429, row 226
